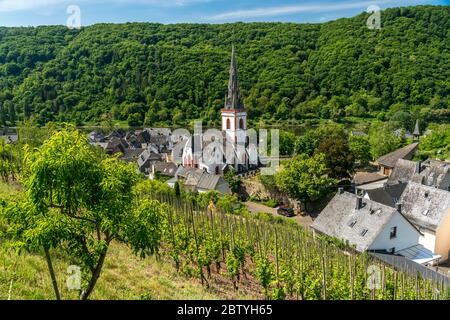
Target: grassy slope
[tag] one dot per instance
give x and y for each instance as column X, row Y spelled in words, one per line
column 124, row 276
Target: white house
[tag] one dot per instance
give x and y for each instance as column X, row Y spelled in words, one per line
column 366, row 224
column 429, row 209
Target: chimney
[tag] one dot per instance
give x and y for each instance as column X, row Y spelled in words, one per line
column 398, row 206
column 359, row 203
column 340, row 190
column 418, row 166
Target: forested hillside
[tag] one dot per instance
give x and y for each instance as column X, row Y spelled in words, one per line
column 155, row 74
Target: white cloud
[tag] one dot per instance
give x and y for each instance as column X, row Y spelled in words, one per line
column 282, row 10
column 19, row 5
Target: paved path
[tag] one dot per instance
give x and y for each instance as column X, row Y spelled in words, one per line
column 258, row 207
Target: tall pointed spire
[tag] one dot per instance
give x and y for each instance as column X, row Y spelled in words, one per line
column 233, row 100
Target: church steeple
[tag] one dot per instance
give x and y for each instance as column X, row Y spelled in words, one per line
column 233, row 100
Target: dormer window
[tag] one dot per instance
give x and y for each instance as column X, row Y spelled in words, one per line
column 352, row 223
column 364, row 232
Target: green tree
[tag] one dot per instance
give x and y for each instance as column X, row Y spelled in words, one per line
column 80, row 203
column 382, row 140
column 304, row 178
column 234, row 181
column 360, row 148
column 339, row 159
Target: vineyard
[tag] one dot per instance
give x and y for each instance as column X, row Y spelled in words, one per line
column 288, row 262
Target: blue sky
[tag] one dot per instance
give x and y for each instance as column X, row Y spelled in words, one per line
column 50, row 12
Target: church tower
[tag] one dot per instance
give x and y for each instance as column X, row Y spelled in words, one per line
column 234, row 116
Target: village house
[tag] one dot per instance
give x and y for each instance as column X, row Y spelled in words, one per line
column 429, row 209
column 388, row 195
column 433, row 173
column 146, row 159
column 366, row 224
column 387, row 162
column 164, row 169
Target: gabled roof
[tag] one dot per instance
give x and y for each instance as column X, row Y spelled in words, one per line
column 340, row 214
column 425, row 206
column 403, row 171
column 388, row 195
column 166, row 168
column 390, row 159
column 116, row 145
column 366, row 177
column 147, row 155
column 131, row 155
column 435, row 173
column 208, row 181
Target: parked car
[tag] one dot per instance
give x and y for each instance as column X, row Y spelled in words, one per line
column 285, row 211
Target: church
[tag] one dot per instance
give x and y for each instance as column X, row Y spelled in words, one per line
column 217, row 151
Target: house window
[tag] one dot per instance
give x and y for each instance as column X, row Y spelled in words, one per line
column 363, row 233
column 241, row 124
column 228, row 124
column 393, row 234
column 217, row 170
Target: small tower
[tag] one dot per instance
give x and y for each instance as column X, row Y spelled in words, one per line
column 416, row 133
column 234, row 116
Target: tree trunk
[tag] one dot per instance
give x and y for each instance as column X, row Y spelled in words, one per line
column 95, row 275
column 52, row 273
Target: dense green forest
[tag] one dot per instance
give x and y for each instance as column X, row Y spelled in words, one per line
column 147, row 73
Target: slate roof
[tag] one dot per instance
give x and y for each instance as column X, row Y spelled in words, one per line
column 388, row 195
column 183, row 172
column 337, row 216
column 366, row 177
column 435, row 173
column 390, row 159
column 166, row 168
column 146, row 156
column 116, row 145
column 131, row 155
column 208, row 181
column 425, row 206
column 403, row 171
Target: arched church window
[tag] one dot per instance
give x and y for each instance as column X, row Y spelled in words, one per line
column 241, row 124
column 228, row 124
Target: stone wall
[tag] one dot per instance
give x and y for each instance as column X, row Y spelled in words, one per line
column 252, row 187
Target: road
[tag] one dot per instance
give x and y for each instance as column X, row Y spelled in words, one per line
column 258, row 207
